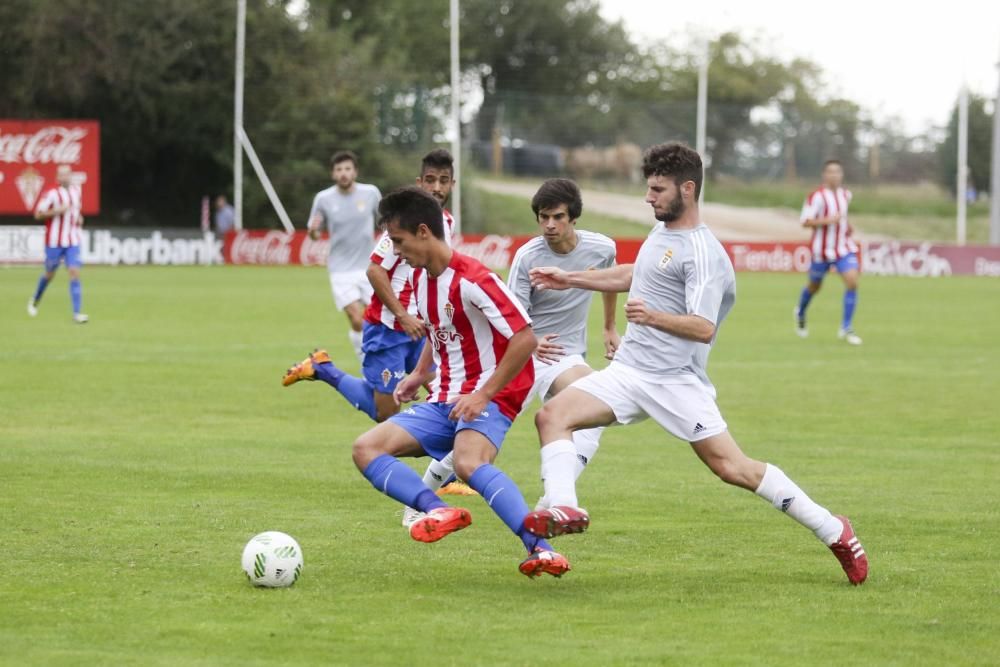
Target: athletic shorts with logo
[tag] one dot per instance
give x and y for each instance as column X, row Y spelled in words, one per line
column 680, row 404
column 389, row 356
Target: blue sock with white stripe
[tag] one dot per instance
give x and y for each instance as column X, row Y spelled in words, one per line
column 75, row 294
column 502, row 495
column 40, row 290
column 356, row 390
column 804, row 300
column 850, row 302
column 398, row 481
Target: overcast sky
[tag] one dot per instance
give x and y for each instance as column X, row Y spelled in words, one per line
column 893, row 58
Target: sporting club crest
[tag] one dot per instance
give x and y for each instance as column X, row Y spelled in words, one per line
column 449, row 310
column 29, row 184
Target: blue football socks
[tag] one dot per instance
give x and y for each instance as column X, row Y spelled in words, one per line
column 40, row 290
column 850, row 302
column 502, row 495
column 804, row 300
column 356, row 390
column 75, row 294
column 398, row 481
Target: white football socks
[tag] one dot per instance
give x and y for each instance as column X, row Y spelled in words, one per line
column 586, row 441
column 559, row 472
column 786, row 496
column 438, row 471
column 355, row 338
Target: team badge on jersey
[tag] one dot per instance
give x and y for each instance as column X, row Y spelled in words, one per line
column 667, row 256
column 449, row 310
column 361, row 207
column 385, row 245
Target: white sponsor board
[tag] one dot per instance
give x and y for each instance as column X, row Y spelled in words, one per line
column 26, row 245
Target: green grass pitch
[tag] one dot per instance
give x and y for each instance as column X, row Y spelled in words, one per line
column 139, row 453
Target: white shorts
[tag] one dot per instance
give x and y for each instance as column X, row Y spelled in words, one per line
column 684, row 407
column 350, row 286
column 546, row 374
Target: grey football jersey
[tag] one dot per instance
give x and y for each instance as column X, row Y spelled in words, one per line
column 560, row 311
column 683, row 272
column 350, row 219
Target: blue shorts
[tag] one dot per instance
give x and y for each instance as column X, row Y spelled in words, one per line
column 430, row 425
column 389, row 356
column 817, row 270
column 70, row 255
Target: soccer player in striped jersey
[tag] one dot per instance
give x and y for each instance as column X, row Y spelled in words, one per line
column 59, row 207
column 480, row 341
column 825, row 212
column 393, row 334
column 559, row 318
column 680, row 288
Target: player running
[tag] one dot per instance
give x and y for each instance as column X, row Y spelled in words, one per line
column 681, row 288
column 347, row 211
column 825, row 211
column 559, row 319
column 393, row 334
column 480, row 341
column 59, row 207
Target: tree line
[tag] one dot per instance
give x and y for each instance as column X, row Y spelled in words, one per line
column 374, row 76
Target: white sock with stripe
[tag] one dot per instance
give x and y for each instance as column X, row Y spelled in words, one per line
column 559, row 472
column 786, row 496
column 438, row 471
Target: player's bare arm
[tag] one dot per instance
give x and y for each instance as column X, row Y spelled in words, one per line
column 614, row 279
column 611, row 338
column 51, row 213
column 821, row 222
column 379, row 278
column 690, row 327
column 519, row 350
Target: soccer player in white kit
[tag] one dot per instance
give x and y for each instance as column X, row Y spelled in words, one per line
column 559, row 318
column 681, row 287
column 347, row 210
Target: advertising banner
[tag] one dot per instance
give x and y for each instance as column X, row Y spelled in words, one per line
column 30, row 151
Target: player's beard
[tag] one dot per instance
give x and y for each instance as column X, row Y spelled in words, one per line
column 674, row 211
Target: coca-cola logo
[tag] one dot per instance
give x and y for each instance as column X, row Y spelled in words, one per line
column 269, row 248
column 53, row 144
column 492, row 250
column 314, row 253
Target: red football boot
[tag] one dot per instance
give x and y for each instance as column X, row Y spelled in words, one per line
column 555, row 521
column 544, row 562
column 440, row 522
column 851, row 554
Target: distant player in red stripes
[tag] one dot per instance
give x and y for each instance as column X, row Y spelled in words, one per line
column 480, row 340
column 59, row 207
column 825, row 211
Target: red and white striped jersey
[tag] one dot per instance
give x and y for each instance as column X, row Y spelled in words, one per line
column 830, row 242
column 471, row 316
column 399, row 277
column 63, row 230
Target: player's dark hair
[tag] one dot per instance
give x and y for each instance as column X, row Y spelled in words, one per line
column 439, row 158
column 410, row 207
column 833, row 161
column 674, row 160
column 556, row 191
column 343, row 156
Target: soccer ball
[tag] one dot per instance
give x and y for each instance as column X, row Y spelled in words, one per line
column 272, row 560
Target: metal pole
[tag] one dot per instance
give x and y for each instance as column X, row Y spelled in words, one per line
column 963, row 160
column 266, row 182
column 995, row 170
column 700, row 138
column 456, row 119
column 241, row 24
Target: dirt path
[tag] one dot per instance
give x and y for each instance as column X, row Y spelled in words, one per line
column 729, row 223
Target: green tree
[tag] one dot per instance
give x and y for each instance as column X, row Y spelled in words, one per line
column 980, row 141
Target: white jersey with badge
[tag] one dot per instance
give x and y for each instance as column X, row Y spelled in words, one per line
column 562, row 312
column 682, row 272
column 350, row 220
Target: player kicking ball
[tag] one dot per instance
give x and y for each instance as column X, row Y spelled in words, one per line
column 559, row 318
column 480, row 341
column 681, row 288
column 825, row 212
